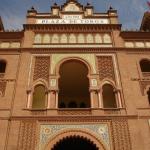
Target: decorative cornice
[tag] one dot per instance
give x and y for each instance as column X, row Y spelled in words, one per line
column 85, row 50
column 73, row 118
column 12, row 35
column 135, row 35
column 75, row 50
column 72, row 27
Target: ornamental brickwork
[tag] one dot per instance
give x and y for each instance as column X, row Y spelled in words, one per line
column 41, row 70
column 121, row 135
column 105, row 67
column 27, row 136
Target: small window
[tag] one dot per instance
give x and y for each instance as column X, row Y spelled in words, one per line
column 2, row 66
column 39, row 97
column 109, row 99
column 148, row 93
column 145, row 65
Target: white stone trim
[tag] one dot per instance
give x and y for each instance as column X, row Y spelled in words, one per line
column 30, row 68
column 49, row 100
column 72, row 46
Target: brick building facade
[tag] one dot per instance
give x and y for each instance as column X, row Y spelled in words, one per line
column 73, row 79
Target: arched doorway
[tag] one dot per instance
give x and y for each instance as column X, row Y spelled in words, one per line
column 75, row 143
column 87, row 137
column 73, row 85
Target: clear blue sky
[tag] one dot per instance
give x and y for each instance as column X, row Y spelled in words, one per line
column 13, row 12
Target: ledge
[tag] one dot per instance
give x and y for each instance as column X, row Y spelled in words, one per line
column 71, row 109
column 71, row 27
column 75, row 50
column 12, row 35
column 112, row 109
column 140, row 108
column 60, row 118
column 35, row 109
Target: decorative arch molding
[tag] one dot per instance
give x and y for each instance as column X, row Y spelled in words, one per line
column 98, row 133
column 76, row 133
column 81, row 81
column 144, row 58
column 108, row 81
column 40, row 82
column 3, row 60
column 31, row 91
column 117, row 91
column 87, row 59
column 87, row 65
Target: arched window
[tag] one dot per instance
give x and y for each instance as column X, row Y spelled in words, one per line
column 2, row 66
column 148, row 93
column 73, row 84
column 145, row 65
column 39, row 97
column 109, row 100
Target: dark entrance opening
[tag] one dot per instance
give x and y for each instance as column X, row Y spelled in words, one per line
column 75, row 143
column 73, row 85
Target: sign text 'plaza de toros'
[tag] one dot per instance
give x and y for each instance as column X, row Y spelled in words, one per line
column 72, row 79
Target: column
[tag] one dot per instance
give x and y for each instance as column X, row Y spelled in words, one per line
column 56, row 99
column 92, row 99
column 48, row 99
column 100, row 102
column 119, row 99
column 29, row 92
